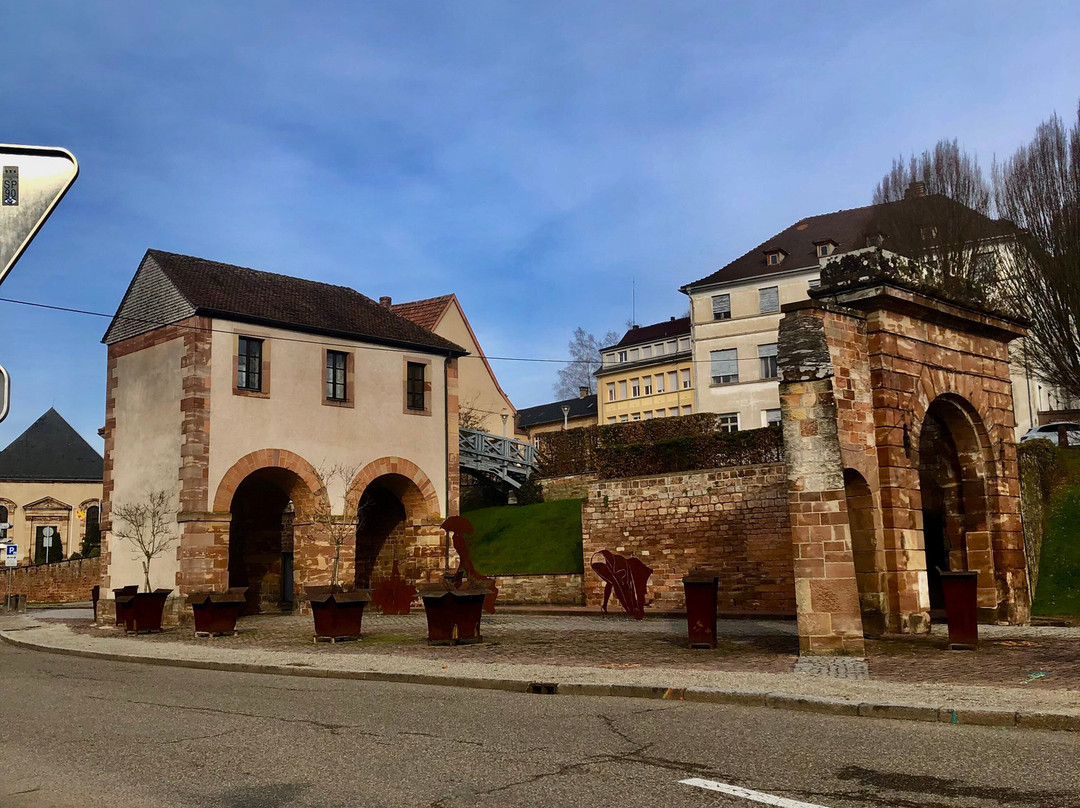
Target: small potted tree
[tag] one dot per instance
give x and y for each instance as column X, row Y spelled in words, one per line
column 147, row 525
column 337, row 610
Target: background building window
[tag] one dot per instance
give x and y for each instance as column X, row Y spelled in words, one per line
column 336, row 364
column 416, row 397
column 622, row 390
column 770, row 299
column 721, row 307
column 686, row 379
column 728, row 421
column 3, row 521
column 673, row 380
column 659, row 382
column 772, row 417
column 91, row 543
column 815, row 283
column 611, row 391
column 249, row 364
column 648, row 386
column 767, row 355
column 687, row 409
column 724, row 366
column 635, row 388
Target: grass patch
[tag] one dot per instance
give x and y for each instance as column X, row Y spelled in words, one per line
column 1059, row 567
column 527, row 539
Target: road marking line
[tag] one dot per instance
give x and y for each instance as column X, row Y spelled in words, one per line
column 747, row 794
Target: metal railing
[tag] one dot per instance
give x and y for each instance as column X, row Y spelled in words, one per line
column 511, row 461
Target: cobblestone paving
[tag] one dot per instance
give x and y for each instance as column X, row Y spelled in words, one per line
column 836, row 667
column 1043, row 658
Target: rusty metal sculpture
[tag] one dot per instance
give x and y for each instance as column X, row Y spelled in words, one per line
column 628, row 577
column 394, row 595
column 458, row 527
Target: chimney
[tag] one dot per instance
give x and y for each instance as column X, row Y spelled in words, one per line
column 672, row 320
column 582, row 392
column 914, row 190
column 385, row 301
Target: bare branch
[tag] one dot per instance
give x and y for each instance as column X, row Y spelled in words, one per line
column 148, row 526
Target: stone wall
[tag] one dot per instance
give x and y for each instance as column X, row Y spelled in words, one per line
column 561, row 590
column 63, row 582
column 732, row 520
column 570, row 486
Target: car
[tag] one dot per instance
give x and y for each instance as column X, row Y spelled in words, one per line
column 1050, row 432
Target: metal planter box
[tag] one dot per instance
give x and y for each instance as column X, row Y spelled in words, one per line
column 453, row 615
column 143, row 610
column 337, row 615
column 124, row 600
column 700, row 589
column 961, row 609
column 216, row 612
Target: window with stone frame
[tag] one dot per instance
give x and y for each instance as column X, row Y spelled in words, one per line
column 337, row 364
column 767, row 357
column 249, row 364
column 3, row 521
column 416, row 386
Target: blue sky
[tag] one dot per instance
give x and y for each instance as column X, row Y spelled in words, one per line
column 532, row 158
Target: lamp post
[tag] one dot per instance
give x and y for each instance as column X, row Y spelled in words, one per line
column 505, row 415
column 565, row 416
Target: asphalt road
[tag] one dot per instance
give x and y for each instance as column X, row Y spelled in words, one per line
column 79, row 732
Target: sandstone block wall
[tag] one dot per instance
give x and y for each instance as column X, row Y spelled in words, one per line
column 571, row 486
column 561, row 590
column 63, row 582
column 733, row 521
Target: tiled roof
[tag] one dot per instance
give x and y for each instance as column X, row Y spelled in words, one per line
column 849, row 229
column 657, row 331
column 425, row 313
column 50, row 450
column 250, row 295
column 550, row 413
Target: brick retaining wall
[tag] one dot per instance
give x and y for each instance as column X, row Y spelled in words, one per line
column 733, row 520
column 568, row 590
column 62, row 582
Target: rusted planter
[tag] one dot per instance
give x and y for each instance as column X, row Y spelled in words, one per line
column 95, row 596
column 124, row 601
column 337, row 615
column 700, row 588
column 961, row 609
column 216, row 612
column 145, row 610
column 453, row 615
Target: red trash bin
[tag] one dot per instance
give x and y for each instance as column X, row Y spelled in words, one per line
column 701, row 588
column 961, row 609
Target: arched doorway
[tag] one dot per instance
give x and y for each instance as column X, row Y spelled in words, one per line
column 388, row 516
column 261, row 538
column 868, row 556
column 953, row 471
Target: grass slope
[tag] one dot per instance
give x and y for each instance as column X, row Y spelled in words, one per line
column 524, row 539
column 1059, row 567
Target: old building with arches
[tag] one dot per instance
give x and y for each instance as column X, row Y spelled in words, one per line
column 901, row 456
column 247, row 396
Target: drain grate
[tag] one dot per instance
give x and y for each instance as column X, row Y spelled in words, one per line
column 546, row 688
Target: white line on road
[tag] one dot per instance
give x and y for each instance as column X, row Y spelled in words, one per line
column 747, row 794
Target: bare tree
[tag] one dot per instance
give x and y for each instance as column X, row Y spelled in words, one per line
column 338, row 527
column 148, row 526
column 469, row 417
column 1038, row 189
column 584, row 361
column 936, row 208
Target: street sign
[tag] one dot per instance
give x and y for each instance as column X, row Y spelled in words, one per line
column 11, row 555
column 47, row 536
column 35, row 179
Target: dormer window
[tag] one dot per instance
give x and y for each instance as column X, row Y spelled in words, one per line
column 825, row 248
column 774, row 257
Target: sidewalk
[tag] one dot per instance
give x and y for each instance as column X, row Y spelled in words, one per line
column 1021, row 676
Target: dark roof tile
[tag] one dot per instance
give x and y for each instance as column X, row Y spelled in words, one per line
column 50, row 450
column 550, row 413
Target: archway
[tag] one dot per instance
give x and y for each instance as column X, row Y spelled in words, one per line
column 868, row 556
column 389, row 514
column 954, row 464
column 261, row 538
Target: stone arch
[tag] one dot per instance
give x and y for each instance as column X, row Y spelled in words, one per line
column 273, row 497
column 933, row 383
column 867, row 552
column 957, row 469
column 397, row 517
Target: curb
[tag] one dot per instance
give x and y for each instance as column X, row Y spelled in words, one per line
column 1062, row 722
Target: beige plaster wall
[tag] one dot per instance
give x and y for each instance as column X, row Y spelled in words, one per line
column 146, row 454
column 292, row 416
column 477, row 388
column 72, row 527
